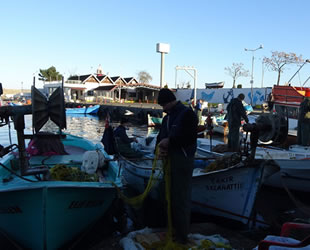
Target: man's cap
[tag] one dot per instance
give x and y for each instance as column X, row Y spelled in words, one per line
column 165, row 96
column 241, row 96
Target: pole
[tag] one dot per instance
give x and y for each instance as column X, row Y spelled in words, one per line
column 252, row 81
column 262, row 73
column 176, row 77
column 162, row 71
column 119, row 93
column 195, row 89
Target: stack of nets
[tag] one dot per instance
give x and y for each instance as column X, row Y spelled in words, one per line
column 61, row 172
column 223, row 162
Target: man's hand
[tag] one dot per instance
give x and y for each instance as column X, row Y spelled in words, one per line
column 163, row 147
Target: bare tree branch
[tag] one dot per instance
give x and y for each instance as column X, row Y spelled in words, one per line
column 279, row 60
column 236, row 71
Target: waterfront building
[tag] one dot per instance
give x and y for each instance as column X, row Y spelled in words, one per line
column 99, row 87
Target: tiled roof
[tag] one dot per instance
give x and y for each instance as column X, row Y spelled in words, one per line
column 114, row 78
column 107, row 88
column 143, row 85
column 79, row 78
column 128, row 79
column 100, row 77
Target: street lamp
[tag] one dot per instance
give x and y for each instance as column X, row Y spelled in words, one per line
column 252, row 81
column 162, row 48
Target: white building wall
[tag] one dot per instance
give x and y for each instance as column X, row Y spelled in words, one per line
column 224, row 95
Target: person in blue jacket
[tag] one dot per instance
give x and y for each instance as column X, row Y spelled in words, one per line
column 177, row 141
column 235, row 111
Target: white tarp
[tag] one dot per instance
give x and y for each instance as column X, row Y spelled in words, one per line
column 129, row 242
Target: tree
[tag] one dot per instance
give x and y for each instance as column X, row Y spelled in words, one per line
column 236, row 71
column 278, row 60
column 185, row 84
column 144, row 77
column 50, row 74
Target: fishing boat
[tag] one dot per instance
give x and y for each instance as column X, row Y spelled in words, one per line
column 228, row 192
column 153, row 121
column 48, row 199
column 219, row 122
column 93, row 110
column 214, row 85
column 293, row 163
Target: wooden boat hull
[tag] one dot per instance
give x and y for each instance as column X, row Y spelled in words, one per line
column 229, row 193
column 47, row 217
column 289, row 168
column 48, row 214
column 213, row 193
column 293, row 174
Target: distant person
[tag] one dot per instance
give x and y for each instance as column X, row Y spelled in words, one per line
column 198, row 110
column 235, row 111
column 177, row 142
column 270, row 101
column 303, row 128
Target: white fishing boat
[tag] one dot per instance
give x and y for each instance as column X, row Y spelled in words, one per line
column 229, row 192
column 293, row 163
column 214, row 85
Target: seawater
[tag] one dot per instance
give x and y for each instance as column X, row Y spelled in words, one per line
column 86, row 126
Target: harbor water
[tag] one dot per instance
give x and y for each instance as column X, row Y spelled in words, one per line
column 274, row 206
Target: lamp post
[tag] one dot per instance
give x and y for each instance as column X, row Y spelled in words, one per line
column 252, row 81
column 162, row 48
column 263, row 71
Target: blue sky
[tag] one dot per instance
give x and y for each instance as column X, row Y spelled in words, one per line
column 121, row 35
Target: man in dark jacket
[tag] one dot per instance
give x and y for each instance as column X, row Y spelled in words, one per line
column 123, row 142
column 303, row 128
column 177, row 140
column 235, row 111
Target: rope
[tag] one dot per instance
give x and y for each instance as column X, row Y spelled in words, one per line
column 302, row 207
column 16, row 174
column 168, row 243
column 138, row 200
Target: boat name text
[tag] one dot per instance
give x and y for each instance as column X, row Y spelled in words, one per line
column 10, row 210
column 224, row 183
column 85, row 204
